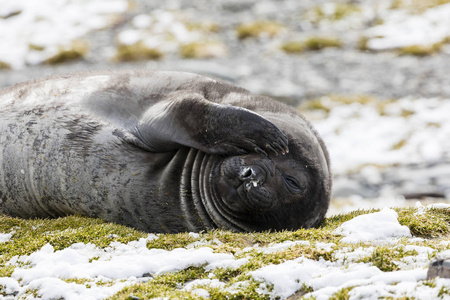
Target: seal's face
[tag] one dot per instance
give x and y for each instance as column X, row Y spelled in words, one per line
column 262, row 183
column 272, row 192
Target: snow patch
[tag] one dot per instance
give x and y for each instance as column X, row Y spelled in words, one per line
column 5, row 237
column 40, row 29
column 361, row 134
column 120, row 264
column 401, row 29
column 381, row 227
column 289, row 276
column 277, row 247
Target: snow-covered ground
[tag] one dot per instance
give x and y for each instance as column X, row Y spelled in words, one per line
column 377, row 138
column 107, row 271
column 402, row 29
column 34, row 31
column 384, row 133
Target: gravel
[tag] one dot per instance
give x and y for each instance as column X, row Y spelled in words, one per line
column 259, row 65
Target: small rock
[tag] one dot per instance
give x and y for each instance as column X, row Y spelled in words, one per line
column 440, row 266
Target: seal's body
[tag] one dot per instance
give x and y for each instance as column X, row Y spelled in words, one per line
column 159, row 151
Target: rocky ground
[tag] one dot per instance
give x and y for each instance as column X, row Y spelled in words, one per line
column 258, row 64
column 256, row 61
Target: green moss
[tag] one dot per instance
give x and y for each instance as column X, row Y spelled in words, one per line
column 405, row 113
column 4, row 66
column 337, row 12
column 399, row 145
column 227, row 274
column 164, row 285
column 431, row 283
column 175, row 279
column 30, row 235
column 318, row 42
column 88, row 282
column 250, row 292
column 207, row 27
column 5, row 271
column 293, row 47
column 171, row 241
column 326, row 103
column 258, row 29
column 77, row 50
column 421, row 50
column 432, row 223
column 11, row 13
column 35, row 47
column 362, row 43
column 149, row 290
column 170, row 285
column 384, row 258
column 315, row 104
column 342, row 294
column 137, row 52
column 435, row 125
column 312, row 44
column 417, row 6
column 444, row 291
column 202, row 50
column 343, row 10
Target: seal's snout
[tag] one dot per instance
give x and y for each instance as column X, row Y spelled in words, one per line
column 252, row 175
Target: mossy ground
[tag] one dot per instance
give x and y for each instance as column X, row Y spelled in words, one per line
column 421, row 50
column 313, row 43
column 30, row 235
column 203, row 50
column 335, row 11
column 137, row 52
column 327, row 103
column 258, row 29
column 417, row 6
column 77, row 50
column 4, row 66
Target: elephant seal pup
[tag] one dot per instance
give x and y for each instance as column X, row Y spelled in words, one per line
column 159, row 151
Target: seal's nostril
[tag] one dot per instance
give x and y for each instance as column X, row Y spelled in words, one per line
column 246, row 173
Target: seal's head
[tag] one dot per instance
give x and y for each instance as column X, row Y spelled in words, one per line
column 284, row 191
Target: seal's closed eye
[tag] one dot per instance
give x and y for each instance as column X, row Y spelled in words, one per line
column 292, row 184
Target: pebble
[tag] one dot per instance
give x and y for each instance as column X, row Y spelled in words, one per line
column 440, row 266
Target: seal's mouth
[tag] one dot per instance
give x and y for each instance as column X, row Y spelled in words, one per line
column 251, row 197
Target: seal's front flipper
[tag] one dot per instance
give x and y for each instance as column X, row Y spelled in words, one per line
column 191, row 120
